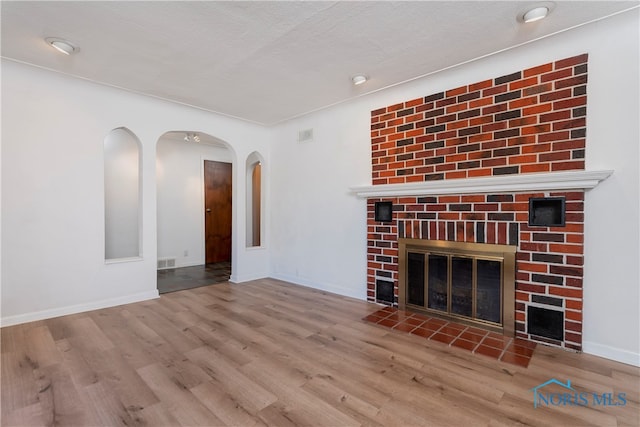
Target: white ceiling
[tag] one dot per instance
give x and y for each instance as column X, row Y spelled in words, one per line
column 267, row 62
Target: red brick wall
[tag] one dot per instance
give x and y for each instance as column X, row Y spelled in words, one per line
column 548, row 260
column 525, row 122
column 531, row 121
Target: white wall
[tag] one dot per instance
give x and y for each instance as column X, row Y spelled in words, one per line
column 180, row 200
column 319, row 229
column 53, row 129
column 612, row 216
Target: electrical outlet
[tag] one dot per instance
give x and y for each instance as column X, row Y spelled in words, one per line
column 186, row 253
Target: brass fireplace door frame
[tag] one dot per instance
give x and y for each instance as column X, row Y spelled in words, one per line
column 506, row 253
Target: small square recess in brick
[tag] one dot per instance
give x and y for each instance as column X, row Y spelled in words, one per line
column 476, row 340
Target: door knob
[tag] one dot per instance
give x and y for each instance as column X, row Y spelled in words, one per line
column 208, row 210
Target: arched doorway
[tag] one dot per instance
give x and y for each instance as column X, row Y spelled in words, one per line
column 192, row 167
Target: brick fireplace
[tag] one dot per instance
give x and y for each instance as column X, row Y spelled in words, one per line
column 462, row 165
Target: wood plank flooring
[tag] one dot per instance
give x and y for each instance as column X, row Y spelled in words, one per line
column 272, row 353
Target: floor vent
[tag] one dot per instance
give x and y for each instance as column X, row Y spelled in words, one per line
column 166, row 263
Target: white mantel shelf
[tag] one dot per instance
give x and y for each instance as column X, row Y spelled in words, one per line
column 552, row 181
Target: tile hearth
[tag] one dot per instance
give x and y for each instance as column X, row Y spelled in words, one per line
column 475, row 340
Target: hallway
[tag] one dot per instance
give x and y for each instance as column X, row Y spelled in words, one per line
column 178, row 279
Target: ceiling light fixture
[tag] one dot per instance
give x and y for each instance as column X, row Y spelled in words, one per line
column 191, row 137
column 359, row 79
column 535, row 14
column 62, row 45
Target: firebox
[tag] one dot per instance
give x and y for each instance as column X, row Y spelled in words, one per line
column 467, row 282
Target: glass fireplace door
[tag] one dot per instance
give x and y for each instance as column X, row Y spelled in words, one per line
column 466, row 286
column 438, row 280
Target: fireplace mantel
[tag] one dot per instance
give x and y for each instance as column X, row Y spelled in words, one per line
column 552, row 181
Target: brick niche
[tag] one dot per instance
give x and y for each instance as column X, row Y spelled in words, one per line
column 530, row 121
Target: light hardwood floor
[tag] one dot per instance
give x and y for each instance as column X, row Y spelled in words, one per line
column 271, row 353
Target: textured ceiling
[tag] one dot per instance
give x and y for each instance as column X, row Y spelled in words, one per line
column 267, row 62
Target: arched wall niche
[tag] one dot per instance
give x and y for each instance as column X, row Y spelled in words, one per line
column 255, row 200
column 122, row 195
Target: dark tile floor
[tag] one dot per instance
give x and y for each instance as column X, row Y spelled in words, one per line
column 475, row 340
column 177, row 279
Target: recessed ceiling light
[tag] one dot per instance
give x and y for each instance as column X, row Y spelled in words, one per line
column 359, row 79
column 535, row 14
column 62, row 45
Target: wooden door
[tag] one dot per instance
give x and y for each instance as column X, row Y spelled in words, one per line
column 217, row 205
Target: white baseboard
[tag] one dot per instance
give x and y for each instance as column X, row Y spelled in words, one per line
column 334, row 289
column 181, row 265
column 190, row 264
column 247, row 277
column 78, row 308
column 612, row 353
